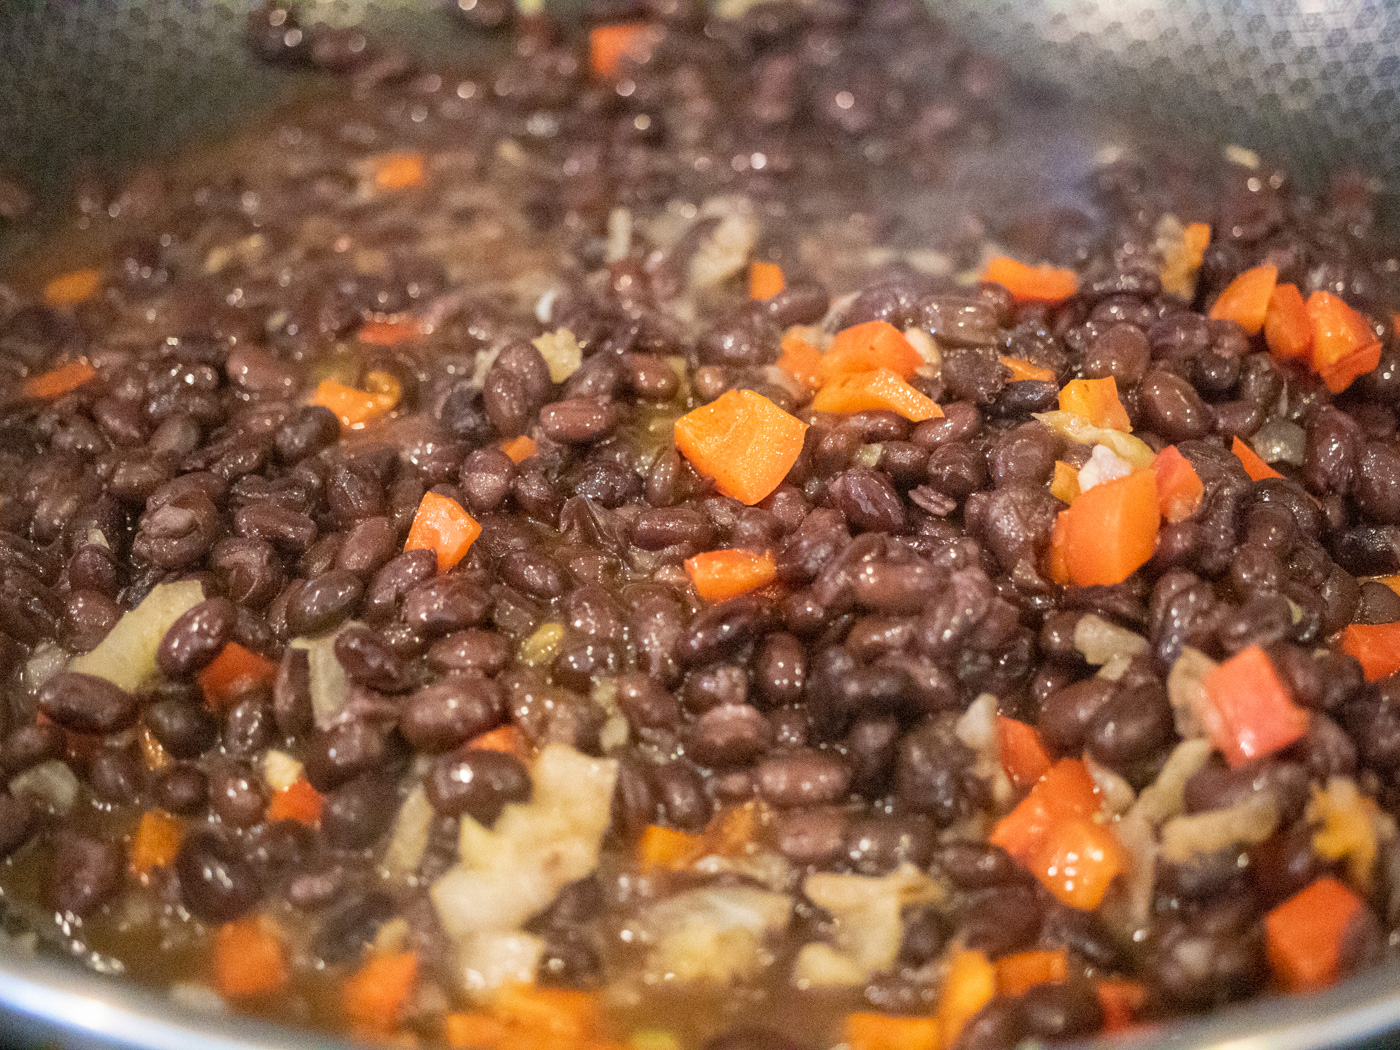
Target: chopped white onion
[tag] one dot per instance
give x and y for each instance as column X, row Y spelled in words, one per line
column 1104, row 465
column 561, row 352
column 490, row 960
column 1099, row 641
column 330, row 687
column 409, row 839
column 1164, row 797
column 1115, row 794
column 46, row 660
column 977, row 729
column 1246, row 823
column 1077, row 428
column 867, row 911
column 281, row 770
column 1187, row 692
column 51, row 784
column 127, row 656
column 1280, row 441
column 726, row 250
column 715, row 933
column 510, row 873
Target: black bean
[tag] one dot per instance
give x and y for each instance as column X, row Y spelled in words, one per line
column 337, row 755
column 679, row 790
column 1331, row 454
column 579, row 420
column 31, row 744
column 477, row 783
column 723, row 629
column 358, row 813
column 85, row 703
column 1025, row 455
column 178, row 533
column 196, row 637
column 803, row 778
column 236, row 794
column 811, row 836
column 1067, row 714
column 932, row 774
column 368, row 660
column 867, row 499
column 650, row 377
column 451, row 711
column 17, row 823
column 1130, row 726
column 116, row 775
column 998, row 1024
column 1002, row 919
column 216, row 884
column 249, row 571
column 1061, row 1010
column 309, row 430
column 180, row 788
column 973, row 866
column 1172, row 408
column 666, row 527
column 780, row 669
column 1203, row 963
column 729, row 735
column 87, row 617
column 367, row 546
column 1377, row 482
column 324, row 603
column 484, row 652
column 86, row 873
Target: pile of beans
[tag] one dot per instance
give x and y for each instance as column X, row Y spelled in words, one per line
column 909, row 556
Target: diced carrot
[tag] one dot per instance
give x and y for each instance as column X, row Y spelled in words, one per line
column 561, row 1014
column 873, row 391
column 1306, row 934
column 249, row 959
column 1376, row 646
column 504, row 738
column 1065, row 484
column 1065, row 792
column 1287, row 327
column 298, row 801
column 666, row 849
column 441, row 525
column 869, row 1031
column 232, row 673
column 743, row 441
column 971, row 983
column 1109, row 532
column 1022, row 752
column 1249, row 711
column 476, row 1031
column 1057, row 557
column 375, row 995
column 609, row 45
column 1179, row 487
column 521, row 448
column 801, row 360
column 1120, row 1000
column 1254, row 466
column 157, row 840
column 731, row 832
column 1043, row 284
column 721, row 575
column 1097, row 401
column 70, row 289
column 866, row 347
column 1078, row 860
column 1024, row 371
column 392, row 332
column 398, row 171
column 765, row 280
column 1344, row 346
column 354, row 407
column 59, row 381
column 1245, row 300
column 1023, row 971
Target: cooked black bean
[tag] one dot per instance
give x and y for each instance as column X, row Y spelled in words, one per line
column 196, row 637
column 341, row 753
column 236, row 794
column 116, row 775
column 324, row 603
column 803, row 778
column 477, row 783
column 729, row 735
column 86, row 703
column 450, row 712
column 367, row 546
column 30, row 745
column 248, row 570
column 181, row 788
column 216, row 884
column 679, row 790
column 358, row 813
column 86, row 873
column 310, row 429
column 1172, row 408
column 868, row 500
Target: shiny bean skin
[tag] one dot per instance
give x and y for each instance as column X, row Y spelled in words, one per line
column 196, row 637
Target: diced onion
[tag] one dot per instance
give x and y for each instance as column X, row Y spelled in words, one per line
column 1280, row 441
column 409, row 839
column 51, row 784
column 1104, row 465
column 127, row 656
column 1115, row 794
column 1187, row 692
column 47, row 659
column 1099, row 641
column 725, row 251
column 867, row 911
column 714, row 934
column 561, row 352
column 1245, row 823
column 281, row 770
column 1164, row 797
column 491, row 960
column 330, row 687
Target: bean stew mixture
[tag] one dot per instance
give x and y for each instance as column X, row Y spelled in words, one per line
column 540, row 554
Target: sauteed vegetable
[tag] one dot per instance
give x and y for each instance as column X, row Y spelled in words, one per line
column 606, row 548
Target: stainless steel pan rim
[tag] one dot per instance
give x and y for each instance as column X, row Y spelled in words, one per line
column 50, row 1000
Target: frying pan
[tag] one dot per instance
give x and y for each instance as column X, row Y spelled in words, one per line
column 105, row 84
